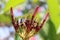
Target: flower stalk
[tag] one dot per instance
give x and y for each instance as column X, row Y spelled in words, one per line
column 28, row 28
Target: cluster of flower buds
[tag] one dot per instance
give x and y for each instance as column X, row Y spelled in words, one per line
column 28, row 27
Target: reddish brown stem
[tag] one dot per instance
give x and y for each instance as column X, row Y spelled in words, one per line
column 15, row 24
column 35, row 12
column 42, row 23
column 12, row 16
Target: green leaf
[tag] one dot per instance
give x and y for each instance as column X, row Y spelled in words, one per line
column 42, row 33
column 51, row 31
column 54, row 12
column 58, row 36
column 12, row 3
column 5, row 19
column 59, row 1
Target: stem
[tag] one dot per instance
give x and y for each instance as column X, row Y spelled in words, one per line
column 15, row 24
column 12, row 16
column 42, row 23
column 35, row 12
column 26, row 39
column 44, row 20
